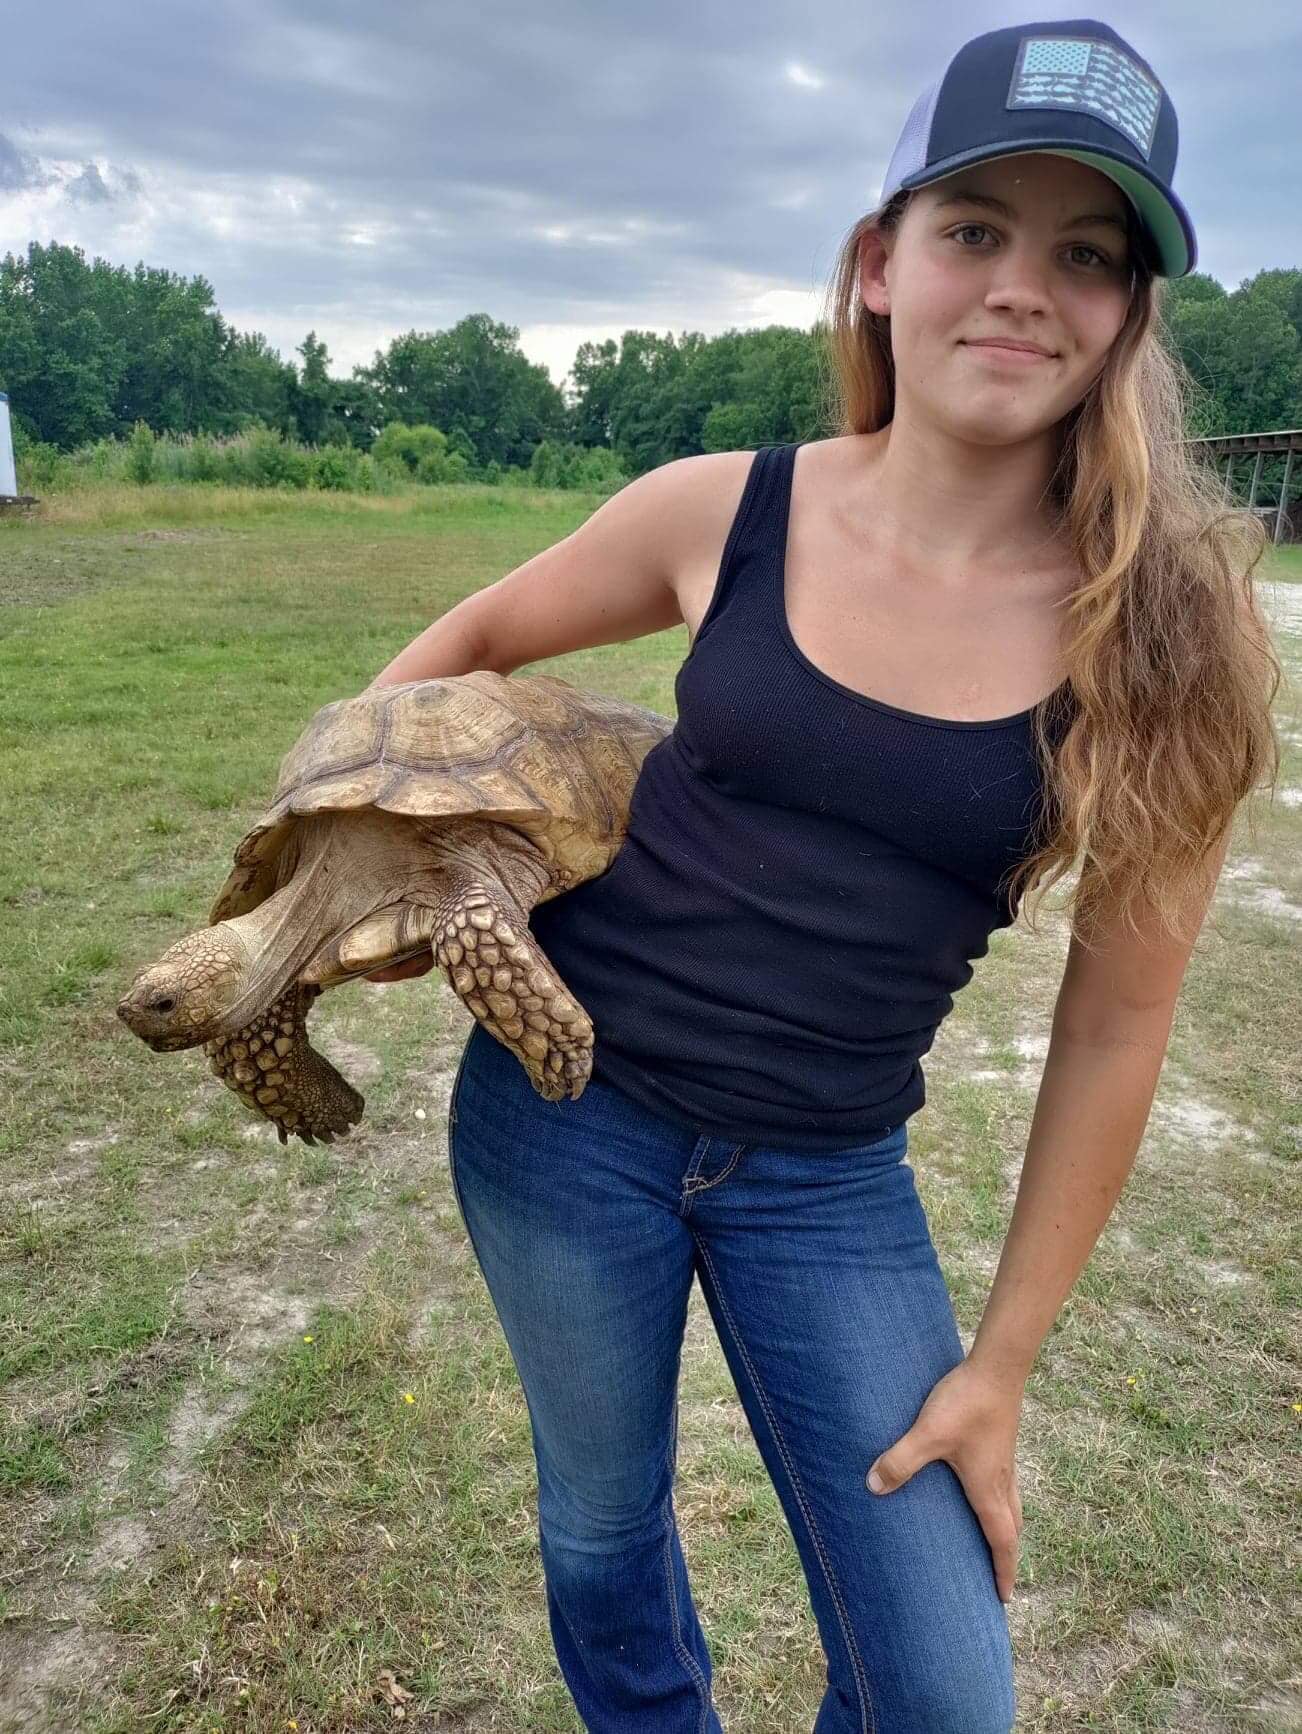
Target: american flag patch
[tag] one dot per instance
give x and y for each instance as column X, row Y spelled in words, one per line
column 1086, row 76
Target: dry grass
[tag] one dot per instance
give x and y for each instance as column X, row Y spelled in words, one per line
column 260, row 1437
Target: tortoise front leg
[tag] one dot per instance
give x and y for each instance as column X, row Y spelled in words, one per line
column 493, row 962
column 271, row 1065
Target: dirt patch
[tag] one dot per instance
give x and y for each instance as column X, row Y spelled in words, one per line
column 246, row 1310
column 1246, row 883
column 442, row 1301
column 44, row 1674
column 360, row 1065
column 239, row 1314
column 982, row 1258
column 121, row 1543
column 216, row 533
column 1280, row 1710
column 1220, row 1272
column 1189, row 1127
column 56, row 1183
column 198, row 1418
column 1270, row 900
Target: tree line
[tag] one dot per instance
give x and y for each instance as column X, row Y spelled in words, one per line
column 90, row 349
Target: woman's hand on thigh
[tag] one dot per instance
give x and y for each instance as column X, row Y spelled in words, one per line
column 969, row 1421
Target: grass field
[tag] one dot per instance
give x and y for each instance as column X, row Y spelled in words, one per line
column 264, row 1458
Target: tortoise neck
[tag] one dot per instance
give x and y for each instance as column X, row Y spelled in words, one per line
column 282, row 933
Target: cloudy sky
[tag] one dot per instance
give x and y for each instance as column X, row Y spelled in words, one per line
column 571, row 169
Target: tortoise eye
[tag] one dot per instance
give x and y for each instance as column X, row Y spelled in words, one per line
column 162, row 1005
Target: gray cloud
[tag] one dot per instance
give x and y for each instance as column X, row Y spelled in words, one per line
column 90, row 188
column 18, row 170
column 579, row 167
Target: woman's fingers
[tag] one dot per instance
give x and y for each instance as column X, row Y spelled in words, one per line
column 1001, row 1532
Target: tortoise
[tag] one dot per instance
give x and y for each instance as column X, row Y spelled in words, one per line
column 430, row 815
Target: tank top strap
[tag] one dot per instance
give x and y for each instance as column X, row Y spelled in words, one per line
column 753, row 554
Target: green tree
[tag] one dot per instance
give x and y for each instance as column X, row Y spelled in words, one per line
column 256, row 387
column 471, row 380
column 1245, row 355
column 314, row 392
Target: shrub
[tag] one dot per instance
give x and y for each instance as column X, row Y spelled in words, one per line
column 40, row 466
column 205, row 460
column 140, row 454
column 420, row 452
column 333, row 469
column 555, row 465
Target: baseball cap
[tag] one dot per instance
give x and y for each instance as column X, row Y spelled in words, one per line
column 1073, row 88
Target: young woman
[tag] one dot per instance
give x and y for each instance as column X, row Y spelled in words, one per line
column 996, row 624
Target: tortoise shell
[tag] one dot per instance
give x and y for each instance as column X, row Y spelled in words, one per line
column 535, row 752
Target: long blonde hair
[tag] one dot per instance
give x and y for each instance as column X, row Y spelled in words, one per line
column 1170, row 663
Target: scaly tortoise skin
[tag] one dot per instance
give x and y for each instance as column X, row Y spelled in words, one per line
column 433, row 814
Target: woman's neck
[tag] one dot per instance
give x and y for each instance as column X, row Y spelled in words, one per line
column 933, row 498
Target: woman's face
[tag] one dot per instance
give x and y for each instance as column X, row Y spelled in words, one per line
column 1028, row 249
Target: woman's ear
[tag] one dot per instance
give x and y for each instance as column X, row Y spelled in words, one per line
column 873, row 255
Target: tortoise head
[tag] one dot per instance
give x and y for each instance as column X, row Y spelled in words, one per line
column 176, row 1001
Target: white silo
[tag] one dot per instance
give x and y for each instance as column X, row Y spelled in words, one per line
column 8, row 475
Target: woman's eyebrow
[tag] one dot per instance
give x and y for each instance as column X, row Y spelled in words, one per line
column 989, row 202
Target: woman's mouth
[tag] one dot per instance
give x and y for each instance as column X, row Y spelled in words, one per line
column 1000, row 350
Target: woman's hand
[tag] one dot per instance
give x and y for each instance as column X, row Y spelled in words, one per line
column 421, row 964
column 969, row 1421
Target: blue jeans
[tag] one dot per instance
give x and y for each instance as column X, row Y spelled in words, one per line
column 588, row 1219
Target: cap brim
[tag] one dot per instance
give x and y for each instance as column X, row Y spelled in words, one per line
column 1159, row 210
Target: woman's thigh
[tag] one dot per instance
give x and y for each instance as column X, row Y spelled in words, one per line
column 824, row 1285
column 571, row 1208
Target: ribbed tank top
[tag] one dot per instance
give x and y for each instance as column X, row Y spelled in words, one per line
column 807, row 877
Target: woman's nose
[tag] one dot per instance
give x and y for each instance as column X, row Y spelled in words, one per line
column 1019, row 280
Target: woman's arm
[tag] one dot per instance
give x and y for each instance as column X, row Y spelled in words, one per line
column 1093, row 1105
column 1111, row 1026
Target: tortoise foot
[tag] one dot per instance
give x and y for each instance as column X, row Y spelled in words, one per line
column 271, row 1066
column 496, row 966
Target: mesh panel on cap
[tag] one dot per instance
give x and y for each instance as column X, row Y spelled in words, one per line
column 910, row 153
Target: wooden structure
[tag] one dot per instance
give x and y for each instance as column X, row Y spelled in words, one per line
column 1284, row 442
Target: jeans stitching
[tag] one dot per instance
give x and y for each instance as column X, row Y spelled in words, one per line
column 692, row 1187
column 689, row 1179
column 685, row 1656
column 456, row 1084
column 847, row 1632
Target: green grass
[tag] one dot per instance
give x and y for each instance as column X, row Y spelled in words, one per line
column 260, row 1435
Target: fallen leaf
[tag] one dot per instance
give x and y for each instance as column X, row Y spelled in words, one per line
column 394, row 1695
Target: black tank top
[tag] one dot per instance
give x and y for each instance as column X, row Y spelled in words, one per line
column 807, row 877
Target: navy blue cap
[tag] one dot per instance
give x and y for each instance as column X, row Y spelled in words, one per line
column 1073, row 88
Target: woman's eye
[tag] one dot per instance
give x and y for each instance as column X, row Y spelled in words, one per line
column 1080, row 252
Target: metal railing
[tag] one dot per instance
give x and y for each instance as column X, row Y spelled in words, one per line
column 1281, row 442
